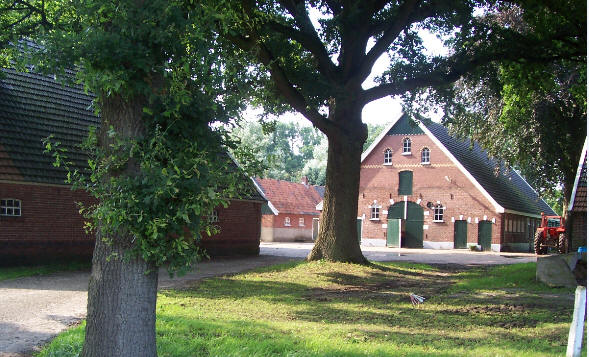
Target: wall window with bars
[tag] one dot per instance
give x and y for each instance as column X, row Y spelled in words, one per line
column 438, row 213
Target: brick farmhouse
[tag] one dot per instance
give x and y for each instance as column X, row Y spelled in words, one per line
column 39, row 216
column 291, row 213
column 428, row 189
column 578, row 204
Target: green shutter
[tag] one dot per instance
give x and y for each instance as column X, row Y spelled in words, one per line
column 406, row 183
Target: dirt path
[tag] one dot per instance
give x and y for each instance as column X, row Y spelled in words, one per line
column 33, row 310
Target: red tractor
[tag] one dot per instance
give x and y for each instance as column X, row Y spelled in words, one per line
column 551, row 233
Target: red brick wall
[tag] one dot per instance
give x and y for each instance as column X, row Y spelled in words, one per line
column 239, row 234
column 50, row 225
column 294, row 220
column 440, row 181
column 579, row 227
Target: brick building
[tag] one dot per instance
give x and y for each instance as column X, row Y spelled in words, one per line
column 578, row 204
column 291, row 210
column 39, row 217
column 428, row 189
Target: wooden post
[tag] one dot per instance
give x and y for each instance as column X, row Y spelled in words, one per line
column 576, row 330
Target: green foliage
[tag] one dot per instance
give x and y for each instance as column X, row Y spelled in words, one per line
column 330, row 309
column 159, row 61
column 288, row 150
column 7, row 273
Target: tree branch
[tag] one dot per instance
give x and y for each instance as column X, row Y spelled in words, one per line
column 287, row 89
column 389, row 35
column 307, row 36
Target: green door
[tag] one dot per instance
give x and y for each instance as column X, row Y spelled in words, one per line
column 413, row 237
column 460, row 234
column 394, row 233
column 412, row 234
column 359, row 228
column 485, row 234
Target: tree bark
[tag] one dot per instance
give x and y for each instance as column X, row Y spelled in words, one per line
column 122, row 292
column 338, row 238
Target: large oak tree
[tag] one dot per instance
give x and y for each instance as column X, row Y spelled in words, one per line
column 157, row 165
column 314, row 57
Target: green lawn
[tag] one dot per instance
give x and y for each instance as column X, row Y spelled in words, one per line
column 38, row 270
column 328, row 309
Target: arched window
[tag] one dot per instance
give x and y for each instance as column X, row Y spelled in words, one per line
column 406, row 146
column 287, row 221
column 425, row 156
column 388, row 157
column 439, row 213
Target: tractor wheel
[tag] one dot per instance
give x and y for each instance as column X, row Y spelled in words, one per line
column 538, row 240
column 563, row 243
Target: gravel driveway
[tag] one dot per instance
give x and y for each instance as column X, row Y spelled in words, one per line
column 33, row 310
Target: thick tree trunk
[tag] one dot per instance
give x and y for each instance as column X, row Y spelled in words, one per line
column 122, row 292
column 338, row 238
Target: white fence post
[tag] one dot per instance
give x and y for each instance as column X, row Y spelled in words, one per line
column 576, row 330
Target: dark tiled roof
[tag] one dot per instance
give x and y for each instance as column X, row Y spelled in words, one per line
column 505, row 185
column 405, row 126
column 320, row 190
column 33, row 106
column 290, row 197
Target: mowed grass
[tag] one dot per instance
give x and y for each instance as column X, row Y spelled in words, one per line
column 7, row 273
column 332, row 309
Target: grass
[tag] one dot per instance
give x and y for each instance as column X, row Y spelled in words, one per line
column 7, row 273
column 331, row 309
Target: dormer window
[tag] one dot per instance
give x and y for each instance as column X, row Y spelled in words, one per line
column 388, row 157
column 425, row 156
column 406, row 146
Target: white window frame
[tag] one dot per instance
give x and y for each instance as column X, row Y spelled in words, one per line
column 287, row 221
column 12, row 205
column 388, row 157
column 425, row 152
column 439, row 216
column 301, row 221
column 406, row 146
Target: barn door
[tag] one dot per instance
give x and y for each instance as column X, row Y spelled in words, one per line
column 485, row 234
column 460, row 234
column 394, row 233
column 413, row 237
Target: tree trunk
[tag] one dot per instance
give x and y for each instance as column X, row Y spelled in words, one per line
column 122, row 292
column 338, row 237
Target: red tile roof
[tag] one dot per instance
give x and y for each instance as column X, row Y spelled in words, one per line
column 290, row 197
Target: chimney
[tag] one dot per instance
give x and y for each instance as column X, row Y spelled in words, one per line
column 305, row 181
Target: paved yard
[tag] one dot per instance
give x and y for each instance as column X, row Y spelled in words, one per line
column 33, row 310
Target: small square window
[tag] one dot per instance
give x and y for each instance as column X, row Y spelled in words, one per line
column 375, row 213
column 301, row 222
column 287, row 221
column 10, row 207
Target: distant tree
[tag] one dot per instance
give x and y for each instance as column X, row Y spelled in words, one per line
column 373, row 131
column 318, row 69
column 284, row 148
column 532, row 115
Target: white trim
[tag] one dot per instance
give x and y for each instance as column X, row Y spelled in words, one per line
column 391, row 164
column 525, row 214
column 406, row 153
column 379, row 138
column 579, row 169
column 498, row 207
column 319, row 206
